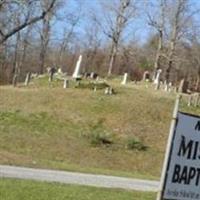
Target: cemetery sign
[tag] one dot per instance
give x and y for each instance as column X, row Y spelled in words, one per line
column 182, row 178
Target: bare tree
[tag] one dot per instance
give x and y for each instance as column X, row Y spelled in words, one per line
column 27, row 20
column 180, row 17
column 16, row 69
column 45, row 35
column 158, row 22
column 116, row 17
column 92, row 44
column 72, row 21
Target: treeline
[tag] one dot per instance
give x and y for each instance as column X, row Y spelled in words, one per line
column 113, row 36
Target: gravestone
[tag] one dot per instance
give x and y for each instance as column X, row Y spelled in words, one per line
column 93, row 75
column 76, row 73
column 190, row 100
column 146, row 76
column 109, row 91
column 66, row 83
column 28, row 78
column 167, row 86
column 197, row 99
column 183, row 87
column 124, row 79
column 60, row 71
column 157, row 79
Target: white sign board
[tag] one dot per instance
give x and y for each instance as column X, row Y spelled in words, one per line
column 183, row 175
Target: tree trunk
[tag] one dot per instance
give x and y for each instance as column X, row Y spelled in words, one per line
column 176, row 24
column 171, row 55
column 44, row 42
column 112, row 59
column 16, row 70
column 158, row 54
column 120, row 23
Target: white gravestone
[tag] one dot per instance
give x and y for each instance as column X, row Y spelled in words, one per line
column 66, row 83
column 60, row 71
column 125, row 79
column 76, row 73
column 157, row 79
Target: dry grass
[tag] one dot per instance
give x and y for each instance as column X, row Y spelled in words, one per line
column 47, row 126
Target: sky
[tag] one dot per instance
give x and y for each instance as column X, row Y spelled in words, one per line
column 139, row 31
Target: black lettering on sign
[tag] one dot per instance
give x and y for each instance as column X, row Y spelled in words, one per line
column 197, row 127
column 186, row 175
column 198, row 176
column 191, row 175
column 176, row 174
column 185, row 148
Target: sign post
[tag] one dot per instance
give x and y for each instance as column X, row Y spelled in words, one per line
column 180, row 178
column 168, row 148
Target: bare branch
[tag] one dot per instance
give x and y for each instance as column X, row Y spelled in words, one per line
column 27, row 23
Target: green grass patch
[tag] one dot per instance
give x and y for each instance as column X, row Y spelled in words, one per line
column 11, row 189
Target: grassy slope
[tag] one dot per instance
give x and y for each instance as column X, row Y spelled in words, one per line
column 42, row 126
column 30, row 190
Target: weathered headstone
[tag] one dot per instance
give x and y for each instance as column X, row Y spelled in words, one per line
column 167, row 86
column 157, row 79
column 76, row 73
column 66, row 83
column 60, row 71
column 109, row 91
column 106, row 90
column 124, row 79
column 28, row 78
column 92, row 75
column 190, row 100
column 146, row 76
column 170, row 87
column 183, row 87
column 197, row 99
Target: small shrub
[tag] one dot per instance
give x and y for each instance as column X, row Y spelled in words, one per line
column 98, row 139
column 97, row 134
column 135, row 144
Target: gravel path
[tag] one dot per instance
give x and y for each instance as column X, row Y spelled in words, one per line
column 77, row 178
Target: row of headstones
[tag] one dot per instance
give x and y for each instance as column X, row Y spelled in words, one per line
column 108, row 90
column 193, row 99
column 146, row 77
column 52, row 70
column 158, row 83
column 76, row 75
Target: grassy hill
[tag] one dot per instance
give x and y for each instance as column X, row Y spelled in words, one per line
column 81, row 130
